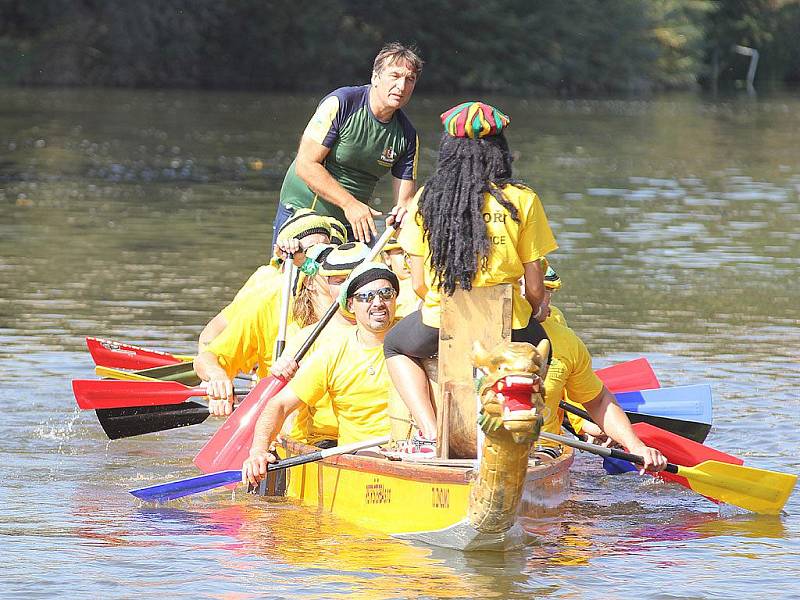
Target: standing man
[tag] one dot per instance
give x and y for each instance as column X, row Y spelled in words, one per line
column 356, row 135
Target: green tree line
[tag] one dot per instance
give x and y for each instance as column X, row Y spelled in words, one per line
column 513, row 46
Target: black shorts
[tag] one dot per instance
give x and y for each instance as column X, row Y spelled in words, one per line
column 412, row 338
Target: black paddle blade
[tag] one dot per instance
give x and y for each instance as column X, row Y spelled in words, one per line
column 181, row 372
column 138, row 420
column 692, row 430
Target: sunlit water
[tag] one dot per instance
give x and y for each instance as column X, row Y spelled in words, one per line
column 136, row 215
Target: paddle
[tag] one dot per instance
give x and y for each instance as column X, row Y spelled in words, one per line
column 110, row 393
column 110, row 353
column 686, row 402
column 757, row 490
column 677, row 449
column 692, row 430
column 229, row 446
column 120, row 375
column 186, row 487
column 139, row 420
column 632, row 375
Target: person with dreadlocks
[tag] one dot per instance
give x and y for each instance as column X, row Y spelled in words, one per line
column 472, row 224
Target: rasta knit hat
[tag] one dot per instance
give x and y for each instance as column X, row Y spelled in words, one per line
column 552, row 281
column 302, row 223
column 362, row 275
column 474, row 120
column 344, row 258
column 338, row 231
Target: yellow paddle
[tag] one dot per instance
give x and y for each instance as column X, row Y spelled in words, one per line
column 757, row 490
column 111, row 373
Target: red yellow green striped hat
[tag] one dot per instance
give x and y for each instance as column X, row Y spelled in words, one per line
column 474, row 120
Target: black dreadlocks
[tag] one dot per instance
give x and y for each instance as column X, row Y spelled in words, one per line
column 451, row 206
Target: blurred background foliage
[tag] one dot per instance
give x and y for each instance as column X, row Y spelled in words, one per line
column 511, row 46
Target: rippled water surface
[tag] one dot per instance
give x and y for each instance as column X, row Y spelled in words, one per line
column 136, row 216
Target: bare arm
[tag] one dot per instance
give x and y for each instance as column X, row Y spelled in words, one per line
column 605, row 411
column 404, row 190
column 267, row 428
column 220, row 386
column 417, row 264
column 534, row 284
column 311, row 169
column 214, row 327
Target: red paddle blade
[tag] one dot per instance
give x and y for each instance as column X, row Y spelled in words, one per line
column 229, row 447
column 108, row 353
column 630, row 376
column 680, row 451
column 110, row 393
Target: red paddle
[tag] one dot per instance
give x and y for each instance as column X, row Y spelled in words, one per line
column 630, row 376
column 119, row 355
column 680, row 451
column 110, row 393
column 230, row 445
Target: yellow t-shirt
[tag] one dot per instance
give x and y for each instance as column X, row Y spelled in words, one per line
column 512, row 245
column 407, row 299
column 557, row 316
column 249, row 338
column 315, row 423
column 570, row 374
column 356, row 379
column 264, row 281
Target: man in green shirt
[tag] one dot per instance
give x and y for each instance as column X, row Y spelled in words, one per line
column 355, row 136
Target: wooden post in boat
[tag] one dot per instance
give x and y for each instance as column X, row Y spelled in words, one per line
column 482, row 314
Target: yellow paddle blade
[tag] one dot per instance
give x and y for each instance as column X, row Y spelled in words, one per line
column 757, row 490
column 110, row 373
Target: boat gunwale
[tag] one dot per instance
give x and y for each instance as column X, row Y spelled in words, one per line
column 419, row 471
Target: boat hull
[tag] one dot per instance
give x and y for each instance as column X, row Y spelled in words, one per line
column 422, row 502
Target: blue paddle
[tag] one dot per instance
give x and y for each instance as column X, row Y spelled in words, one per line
column 684, row 402
column 194, row 485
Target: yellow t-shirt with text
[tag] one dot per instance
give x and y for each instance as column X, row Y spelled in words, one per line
column 357, row 382
column 512, row 245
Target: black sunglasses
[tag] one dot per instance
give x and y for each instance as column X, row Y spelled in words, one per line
column 386, row 293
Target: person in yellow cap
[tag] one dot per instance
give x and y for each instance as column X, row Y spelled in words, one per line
column 472, row 224
column 247, row 341
column 350, row 369
column 570, row 375
column 305, row 229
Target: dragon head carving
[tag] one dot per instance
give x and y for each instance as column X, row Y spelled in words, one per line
column 511, row 388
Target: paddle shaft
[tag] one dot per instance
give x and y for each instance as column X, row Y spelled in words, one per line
column 601, row 451
column 286, row 295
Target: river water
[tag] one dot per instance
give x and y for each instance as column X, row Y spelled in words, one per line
column 136, row 215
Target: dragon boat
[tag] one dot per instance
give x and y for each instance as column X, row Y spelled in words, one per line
column 486, row 476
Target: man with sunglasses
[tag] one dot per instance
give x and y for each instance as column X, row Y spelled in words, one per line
column 351, row 370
